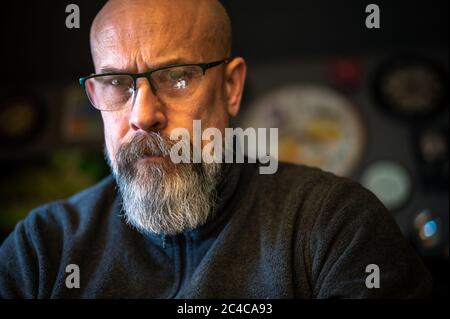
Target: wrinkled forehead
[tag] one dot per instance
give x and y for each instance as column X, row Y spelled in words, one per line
column 129, row 37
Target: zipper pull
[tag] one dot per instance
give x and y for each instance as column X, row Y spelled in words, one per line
column 164, row 239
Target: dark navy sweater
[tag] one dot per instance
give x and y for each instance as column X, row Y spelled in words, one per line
column 299, row 233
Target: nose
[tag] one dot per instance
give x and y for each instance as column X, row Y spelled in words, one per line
column 147, row 111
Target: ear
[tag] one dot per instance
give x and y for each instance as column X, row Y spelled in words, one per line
column 235, row 74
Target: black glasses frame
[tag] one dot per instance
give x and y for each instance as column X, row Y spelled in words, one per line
column 135, row 76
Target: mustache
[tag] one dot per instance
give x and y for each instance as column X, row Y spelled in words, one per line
column 143, row 145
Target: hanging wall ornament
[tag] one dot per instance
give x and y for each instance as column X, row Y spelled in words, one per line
column 317, row 126
column 390, row 182
column 411, row 87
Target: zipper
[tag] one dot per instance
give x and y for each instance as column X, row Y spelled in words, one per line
column 164, row 241
column 178, row 266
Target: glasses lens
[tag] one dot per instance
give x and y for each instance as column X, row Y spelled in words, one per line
column 110, row 92
column 179, row 80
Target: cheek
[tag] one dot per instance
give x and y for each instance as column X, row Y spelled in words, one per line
column 207, row 105
column 214, row 114
column 115, row 126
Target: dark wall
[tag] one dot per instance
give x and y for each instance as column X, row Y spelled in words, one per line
column 36, row 42
column 284, row 42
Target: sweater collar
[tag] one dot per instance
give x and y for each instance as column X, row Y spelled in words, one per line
column 226, row 188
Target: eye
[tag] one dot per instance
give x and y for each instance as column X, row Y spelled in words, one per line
column 177, row 75
column 117, row 84
column 181, row 79
column 177, row 79
column 116, row 80
column 120, row 82
column 180, row 84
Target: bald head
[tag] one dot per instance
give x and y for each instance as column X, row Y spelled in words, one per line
column 162, row 28
column 136, row 36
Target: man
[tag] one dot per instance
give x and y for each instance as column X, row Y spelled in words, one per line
column 157, row 229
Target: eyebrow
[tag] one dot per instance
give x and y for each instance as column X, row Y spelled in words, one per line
column 178, row 61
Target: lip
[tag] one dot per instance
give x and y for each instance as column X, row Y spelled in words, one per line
column 151, row 158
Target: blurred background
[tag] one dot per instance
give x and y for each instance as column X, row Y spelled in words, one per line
column 369, row 104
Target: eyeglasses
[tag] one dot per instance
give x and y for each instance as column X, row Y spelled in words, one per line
column 116, row 91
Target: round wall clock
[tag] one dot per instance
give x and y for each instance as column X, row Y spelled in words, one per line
column 411, row 87
column 317, row 126
column 390, row 182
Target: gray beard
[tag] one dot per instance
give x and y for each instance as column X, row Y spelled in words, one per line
column 163, row 197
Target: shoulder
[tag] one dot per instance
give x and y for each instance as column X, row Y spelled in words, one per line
column 315, row 201
column 328, row 197
column 31, row 255
column 307, row 186
column 75, row 212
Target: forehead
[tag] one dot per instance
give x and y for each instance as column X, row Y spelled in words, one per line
column 133, row 38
